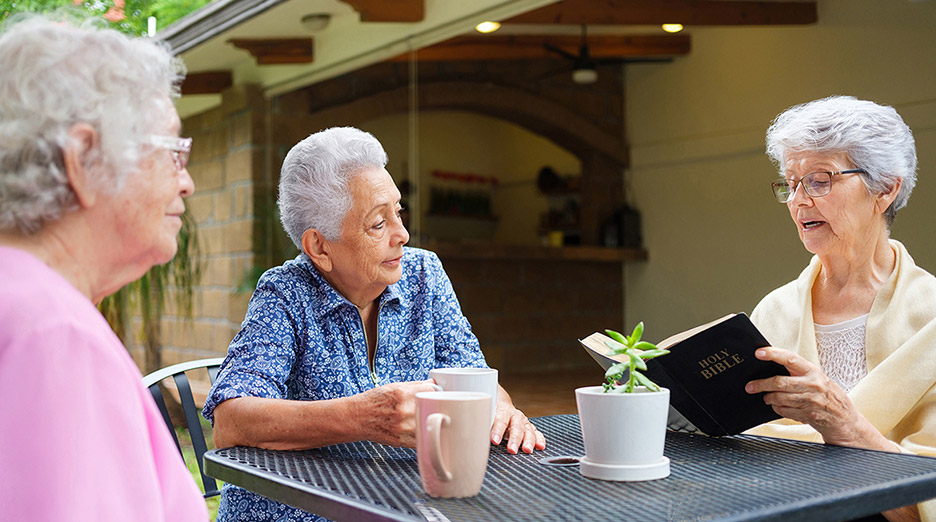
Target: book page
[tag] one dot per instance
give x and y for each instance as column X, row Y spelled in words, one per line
column 675, row 338
column 595, row 343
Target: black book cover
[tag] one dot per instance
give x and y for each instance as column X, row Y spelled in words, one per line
column 706, row 371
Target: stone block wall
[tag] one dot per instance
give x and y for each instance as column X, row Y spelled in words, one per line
column 528, row 314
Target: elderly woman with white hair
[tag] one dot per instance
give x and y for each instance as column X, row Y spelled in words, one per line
column 92, row 181
column 857, row 330
column 338, row 341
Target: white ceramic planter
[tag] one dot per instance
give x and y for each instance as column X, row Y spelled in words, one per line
column 624, row 433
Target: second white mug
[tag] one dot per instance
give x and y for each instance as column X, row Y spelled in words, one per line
column 482, row 380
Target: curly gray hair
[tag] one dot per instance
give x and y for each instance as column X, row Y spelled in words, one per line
column 313, row 187
column 874, row 137
column 59, row 71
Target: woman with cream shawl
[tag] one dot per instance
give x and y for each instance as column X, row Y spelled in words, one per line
column 857, row 330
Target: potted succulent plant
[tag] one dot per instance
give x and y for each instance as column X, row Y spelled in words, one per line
column 624, row 419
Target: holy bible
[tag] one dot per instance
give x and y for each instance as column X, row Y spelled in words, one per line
column 706, row 371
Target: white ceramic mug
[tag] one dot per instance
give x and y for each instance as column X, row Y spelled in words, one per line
column 453, row 442
column 482, row 380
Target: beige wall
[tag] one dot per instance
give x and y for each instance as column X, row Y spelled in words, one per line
column 717, row 240
column 470, row 143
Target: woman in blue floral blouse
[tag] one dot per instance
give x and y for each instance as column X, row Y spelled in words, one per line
column 338, row 341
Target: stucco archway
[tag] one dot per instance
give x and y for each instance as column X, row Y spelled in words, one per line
column 602, row 153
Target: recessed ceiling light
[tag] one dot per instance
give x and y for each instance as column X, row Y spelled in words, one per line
column 672, row 28
column 315, row 22
column 487, row 27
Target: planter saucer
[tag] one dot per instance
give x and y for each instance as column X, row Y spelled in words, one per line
column 624, row 472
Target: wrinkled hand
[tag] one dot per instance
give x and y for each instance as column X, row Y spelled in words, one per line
column 808, row 396
column 390, row 412
column 521, row 433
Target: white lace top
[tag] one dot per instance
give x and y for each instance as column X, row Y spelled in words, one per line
column 842, row 351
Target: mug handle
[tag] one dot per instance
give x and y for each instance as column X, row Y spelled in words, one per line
column 434, row 424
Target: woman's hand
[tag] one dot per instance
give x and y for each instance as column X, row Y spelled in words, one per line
column 521, row 433
column 386, row 414
column 808, row 396
column 389, row 415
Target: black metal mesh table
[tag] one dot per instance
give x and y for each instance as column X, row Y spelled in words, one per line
column 732, row 478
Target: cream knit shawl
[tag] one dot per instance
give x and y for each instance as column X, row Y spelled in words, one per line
column 898, row 395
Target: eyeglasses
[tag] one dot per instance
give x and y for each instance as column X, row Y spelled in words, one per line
column 816, row 184
column 180, row 148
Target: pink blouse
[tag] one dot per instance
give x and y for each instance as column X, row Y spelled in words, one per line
column 81, row 438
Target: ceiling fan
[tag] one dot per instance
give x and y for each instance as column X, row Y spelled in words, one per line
column 584, row 67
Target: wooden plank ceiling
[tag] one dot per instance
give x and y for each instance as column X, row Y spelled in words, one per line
column 592, row 13
column 384, row 11
column 587, row 13
column 656, row 12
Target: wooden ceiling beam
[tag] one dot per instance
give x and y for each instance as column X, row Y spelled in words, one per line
column 519, row 47
column 389, row 11
column 207, row 82
column 655, row 12
column 270, row 51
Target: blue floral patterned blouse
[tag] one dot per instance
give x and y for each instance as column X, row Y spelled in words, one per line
column 302, row 340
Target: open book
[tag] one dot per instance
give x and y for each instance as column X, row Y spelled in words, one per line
column 706, row 371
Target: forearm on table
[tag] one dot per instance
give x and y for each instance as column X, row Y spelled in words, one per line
column 285, row 424
column 864, row 435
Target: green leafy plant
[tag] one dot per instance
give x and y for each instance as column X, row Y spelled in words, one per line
column 128, row 16
column 637, row 352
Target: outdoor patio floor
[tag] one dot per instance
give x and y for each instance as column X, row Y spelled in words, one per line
column 550, row 393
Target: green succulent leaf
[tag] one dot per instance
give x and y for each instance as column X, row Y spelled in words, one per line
column 616, row 370
column 615, row 347
column 637, row 362
column 617, row 336
column 651, row 354
column 645, row 381
column 638, row 332
column 645, row 346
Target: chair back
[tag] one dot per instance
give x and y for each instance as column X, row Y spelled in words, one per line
column 191, row 411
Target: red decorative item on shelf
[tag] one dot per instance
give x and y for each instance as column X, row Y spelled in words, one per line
column 460, row 194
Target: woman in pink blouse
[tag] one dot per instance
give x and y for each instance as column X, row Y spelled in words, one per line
column 92, row 177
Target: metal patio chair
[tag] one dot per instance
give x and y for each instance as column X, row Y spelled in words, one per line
column 177, row 372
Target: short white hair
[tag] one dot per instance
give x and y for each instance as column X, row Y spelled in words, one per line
column 313, row 187
column 58, row 71
column 874, row 137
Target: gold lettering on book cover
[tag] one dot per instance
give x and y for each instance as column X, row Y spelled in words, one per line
column 718, row 362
